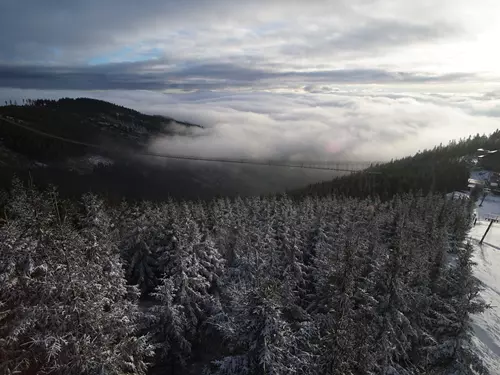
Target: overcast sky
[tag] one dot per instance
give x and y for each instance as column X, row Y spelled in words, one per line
column 353, row 68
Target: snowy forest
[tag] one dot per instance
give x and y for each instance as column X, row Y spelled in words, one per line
column 444, row 168
column 263, row 285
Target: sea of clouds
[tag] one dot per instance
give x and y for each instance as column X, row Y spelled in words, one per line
column 311, row 123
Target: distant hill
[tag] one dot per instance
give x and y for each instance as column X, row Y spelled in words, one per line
column 34, row 146
column 84, row 120
column 109, row 138
column 441, row 169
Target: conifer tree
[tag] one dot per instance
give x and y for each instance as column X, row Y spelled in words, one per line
column 66, row 308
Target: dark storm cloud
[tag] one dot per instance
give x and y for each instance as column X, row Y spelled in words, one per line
column 213, row 44
column 144, row 76
column 217, row 45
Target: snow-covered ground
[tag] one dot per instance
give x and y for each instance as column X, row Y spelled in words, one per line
column 487, row 256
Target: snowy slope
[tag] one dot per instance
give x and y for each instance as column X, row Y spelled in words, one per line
column 487, row 256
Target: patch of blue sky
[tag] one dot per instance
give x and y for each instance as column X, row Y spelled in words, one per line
column 127, row 54
column 56, row 51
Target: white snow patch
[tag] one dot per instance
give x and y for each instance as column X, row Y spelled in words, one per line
column 489, row 208
column 457, row 195
column 486, row 326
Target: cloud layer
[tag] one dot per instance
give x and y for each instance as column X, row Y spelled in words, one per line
column 335, row 124
column 324, row 79
column 216, row 76
column 197, row 44
column 367, row 126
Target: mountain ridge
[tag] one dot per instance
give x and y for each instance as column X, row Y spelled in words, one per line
column 84, row 120
column 114, row 158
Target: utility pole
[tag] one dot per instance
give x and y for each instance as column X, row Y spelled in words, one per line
column 485, row 233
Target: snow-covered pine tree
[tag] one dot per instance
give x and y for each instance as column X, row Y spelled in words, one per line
column 455, row 297
column 319, row 285
column 187, row 294
column 261, row 341
column 65, row 305
column 143, row 238
column 169, row 326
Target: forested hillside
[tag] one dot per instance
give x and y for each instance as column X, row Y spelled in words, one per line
column 84, row 120
column 442, row 169
column 120, row 133
column 367, row 274
column 259, row 286
column 86, row 145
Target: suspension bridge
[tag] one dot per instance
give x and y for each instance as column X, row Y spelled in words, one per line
column 337, row 166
